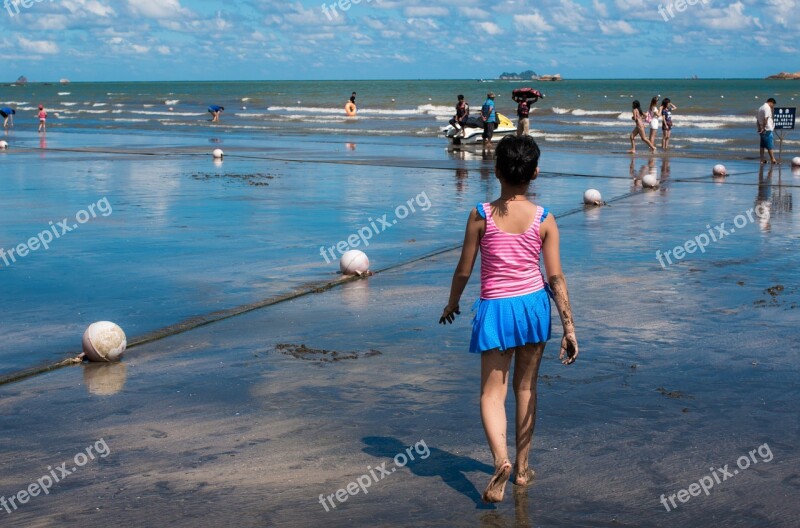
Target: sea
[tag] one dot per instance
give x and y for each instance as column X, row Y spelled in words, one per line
column 714, row 115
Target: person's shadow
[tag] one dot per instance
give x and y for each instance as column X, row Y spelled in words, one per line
column 439, row 463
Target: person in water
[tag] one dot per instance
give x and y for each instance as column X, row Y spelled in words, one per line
column 638, row 119
column 215, row 111
column 666, row 122
column 7, row 114
column 512, row 315
column 350, row 108
column 459, row 121
column 766, row 124
column 489, row 118
column 42, row 119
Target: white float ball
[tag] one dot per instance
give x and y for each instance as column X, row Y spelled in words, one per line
column 592, row 197
column 354, row 262
column 171, row 109
column 719, row 170
column 3, row 145
column 104, row 341
column 218, row 153
column 244, row 108
column 650, row 181
column 796, row 161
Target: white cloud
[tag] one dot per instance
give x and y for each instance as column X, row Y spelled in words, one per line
column 729, row 18
column 616, row 27
column 489, row 27
column 534, row 23
column 473, row 12
column 44, row 47
column 600, row 8
column 158, row 9
column 414, row 12
column 92, row 7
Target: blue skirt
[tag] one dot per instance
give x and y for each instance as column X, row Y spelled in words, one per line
column 511, row 322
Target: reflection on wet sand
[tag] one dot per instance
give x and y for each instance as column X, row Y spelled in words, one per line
column 104, row 379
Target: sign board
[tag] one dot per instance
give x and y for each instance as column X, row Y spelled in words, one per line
column 783, row 118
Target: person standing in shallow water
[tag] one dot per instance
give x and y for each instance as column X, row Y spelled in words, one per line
column 638, row 119
column 766, row 124
column 512, row 319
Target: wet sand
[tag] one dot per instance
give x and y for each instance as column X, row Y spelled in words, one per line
column 681, row 369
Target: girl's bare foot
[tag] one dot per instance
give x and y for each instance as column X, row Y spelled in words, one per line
column 633, row 151
column 497, row 485
column 525, row 478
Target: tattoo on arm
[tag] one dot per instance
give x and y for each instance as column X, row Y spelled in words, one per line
column 559, row 287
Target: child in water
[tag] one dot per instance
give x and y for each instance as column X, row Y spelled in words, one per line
column 512, row 317
column 42, row 119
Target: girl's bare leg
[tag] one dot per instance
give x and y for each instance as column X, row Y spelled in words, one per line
column 526, row 374
column 644, row 138
column 653, row 134
column 633, row 140
column 494, row 388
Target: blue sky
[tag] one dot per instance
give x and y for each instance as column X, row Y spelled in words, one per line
column 118, row 40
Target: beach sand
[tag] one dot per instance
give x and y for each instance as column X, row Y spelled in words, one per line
column 248, row 421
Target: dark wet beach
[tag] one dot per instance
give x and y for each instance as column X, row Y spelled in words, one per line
column 249, row 420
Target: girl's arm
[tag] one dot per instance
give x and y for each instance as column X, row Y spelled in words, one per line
column 558, row 284
column 469, row 252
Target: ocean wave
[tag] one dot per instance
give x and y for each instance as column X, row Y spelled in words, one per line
column 170, row 102
column 99, row 104
column 68, row 104
column 129, row 120
column 426, row 109
column 185, row 114
column 64, row 93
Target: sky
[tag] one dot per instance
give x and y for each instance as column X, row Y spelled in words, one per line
column 152, row 40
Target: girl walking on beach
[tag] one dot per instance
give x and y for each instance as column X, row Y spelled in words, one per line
column 512, row 318
column 654, row 114
column 666, row 127
column 638, row 118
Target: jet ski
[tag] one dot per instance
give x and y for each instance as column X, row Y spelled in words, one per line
column 473, row 131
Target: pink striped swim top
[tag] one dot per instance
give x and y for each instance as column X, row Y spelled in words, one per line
column 510, row 262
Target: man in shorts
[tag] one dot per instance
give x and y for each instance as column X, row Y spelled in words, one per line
column 765, row 127
column 460, row 119
column 489, row 118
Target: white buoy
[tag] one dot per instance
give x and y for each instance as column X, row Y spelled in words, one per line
column 592, row 197
column 3, row 144
column 244, row 108
column 104, row 341
column 217, row 153
column 171, row 109
column 650, row 181
column 796, row 161
column 354, row 262
column 719, row 170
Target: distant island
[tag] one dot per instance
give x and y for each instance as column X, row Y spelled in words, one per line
column 784, row 76
column 528, row 75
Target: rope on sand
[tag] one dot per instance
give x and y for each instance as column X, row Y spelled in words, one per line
column 302, row 290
